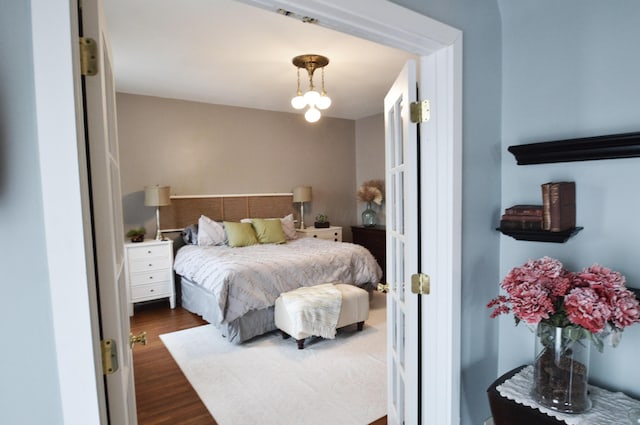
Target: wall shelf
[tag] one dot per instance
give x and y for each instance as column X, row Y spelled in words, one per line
column 625, row 145
column 540, row 235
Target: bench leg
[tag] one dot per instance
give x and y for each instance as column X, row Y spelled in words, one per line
column 300, row 343
column 360, row 325
column 284, row 335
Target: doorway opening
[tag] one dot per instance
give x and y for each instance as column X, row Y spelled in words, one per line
column 381, row 22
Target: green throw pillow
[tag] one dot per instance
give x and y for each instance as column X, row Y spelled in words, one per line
column 269, row 231
column 240, row 234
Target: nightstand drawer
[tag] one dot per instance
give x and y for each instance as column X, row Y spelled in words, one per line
column 330, row 236
column 150, row 264
column 152, row 251
column 150, row 277
column 152, row 290
column 333, row 233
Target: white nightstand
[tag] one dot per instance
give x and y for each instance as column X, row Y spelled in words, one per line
column 149, row 271
column 333, row 233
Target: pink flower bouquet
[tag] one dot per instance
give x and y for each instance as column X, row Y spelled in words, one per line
column 594, row 300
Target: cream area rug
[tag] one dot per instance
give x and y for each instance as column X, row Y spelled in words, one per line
column 268, row 381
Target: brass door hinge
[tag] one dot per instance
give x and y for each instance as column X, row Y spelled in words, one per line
column 109, row 356
column 420, row 284
column 420, row 111
column 88, row 56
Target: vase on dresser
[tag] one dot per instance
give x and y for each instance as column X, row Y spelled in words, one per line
column 369, row 216
column 561, row 368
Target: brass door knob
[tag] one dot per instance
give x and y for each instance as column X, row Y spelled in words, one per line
column 383, row 287
column 140, row 339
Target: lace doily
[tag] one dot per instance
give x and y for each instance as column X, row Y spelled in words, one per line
column 608, row 407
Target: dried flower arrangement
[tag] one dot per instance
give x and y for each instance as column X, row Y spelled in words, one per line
column 371, row 191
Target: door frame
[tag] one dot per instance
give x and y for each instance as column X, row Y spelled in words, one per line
column 67, row 222
column 64, row 188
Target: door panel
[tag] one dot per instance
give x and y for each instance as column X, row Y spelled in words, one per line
column 106, row 211
column 402, row 253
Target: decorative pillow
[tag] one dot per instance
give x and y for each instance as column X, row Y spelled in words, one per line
column 190, row 234
column 210, row 232
column 289, row 226
column 240, row 234
column 269, row 231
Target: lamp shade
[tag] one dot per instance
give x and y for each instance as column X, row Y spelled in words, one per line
column 302, row 194
column 157, row 196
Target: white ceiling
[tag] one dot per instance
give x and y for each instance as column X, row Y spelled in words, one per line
column 229, row 53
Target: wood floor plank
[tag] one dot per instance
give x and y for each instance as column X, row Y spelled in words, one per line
column 164, row 396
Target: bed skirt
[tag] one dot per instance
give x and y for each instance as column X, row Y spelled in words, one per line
column 198, row 301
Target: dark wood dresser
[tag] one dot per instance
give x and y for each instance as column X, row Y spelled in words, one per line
column 375, row 240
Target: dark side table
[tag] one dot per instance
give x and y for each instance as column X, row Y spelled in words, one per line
column 375, row 240
column 608, row 407
column 508, row 412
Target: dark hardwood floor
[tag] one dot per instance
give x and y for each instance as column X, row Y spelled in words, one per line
column 163, row 394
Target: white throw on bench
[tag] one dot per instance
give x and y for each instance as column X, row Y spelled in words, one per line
column 320, row 310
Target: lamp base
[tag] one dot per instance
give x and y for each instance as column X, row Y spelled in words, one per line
column 159, row 236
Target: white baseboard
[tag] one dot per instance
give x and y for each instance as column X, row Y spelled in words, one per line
column 489, row 421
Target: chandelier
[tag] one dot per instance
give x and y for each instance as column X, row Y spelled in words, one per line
column 314, row 100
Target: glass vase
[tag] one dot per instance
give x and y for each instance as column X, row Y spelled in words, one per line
column 561, row 368
column 369, row 217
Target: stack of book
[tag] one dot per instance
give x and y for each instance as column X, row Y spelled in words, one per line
column 559, row 206
column 522, row 217
column 556, row 214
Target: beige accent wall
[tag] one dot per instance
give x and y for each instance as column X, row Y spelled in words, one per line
column 370, row 158
column 199, row 148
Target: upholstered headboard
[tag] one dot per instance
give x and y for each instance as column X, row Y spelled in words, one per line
column 186, row 210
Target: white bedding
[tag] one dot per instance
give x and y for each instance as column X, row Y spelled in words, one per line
column 251, row 278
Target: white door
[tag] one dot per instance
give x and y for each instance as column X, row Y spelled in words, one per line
column 423, row 221
column 106, row 211
column 401, row 159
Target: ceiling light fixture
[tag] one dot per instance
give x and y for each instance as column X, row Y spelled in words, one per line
column 316, row 101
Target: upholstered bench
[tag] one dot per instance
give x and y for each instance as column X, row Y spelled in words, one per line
column 354, row 309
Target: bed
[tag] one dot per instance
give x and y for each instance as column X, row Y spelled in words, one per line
column 235, row 288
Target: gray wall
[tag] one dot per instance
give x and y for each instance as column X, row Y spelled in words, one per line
column 199, row 148
column 29, row 385
column 570, row 69
column 480, row 23
column 370, row 158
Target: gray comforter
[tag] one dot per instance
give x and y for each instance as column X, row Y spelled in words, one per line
column 251, row 278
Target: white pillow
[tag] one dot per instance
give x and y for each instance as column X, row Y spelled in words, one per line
column 289, row 226
column 210, row 232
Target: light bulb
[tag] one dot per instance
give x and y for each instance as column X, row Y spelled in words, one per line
column 312, row 115
column 298, row 102
column 311, row 97
column 323, row 102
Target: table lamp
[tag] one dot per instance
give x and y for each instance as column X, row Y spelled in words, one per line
column 157, row 196
column 302, row 194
